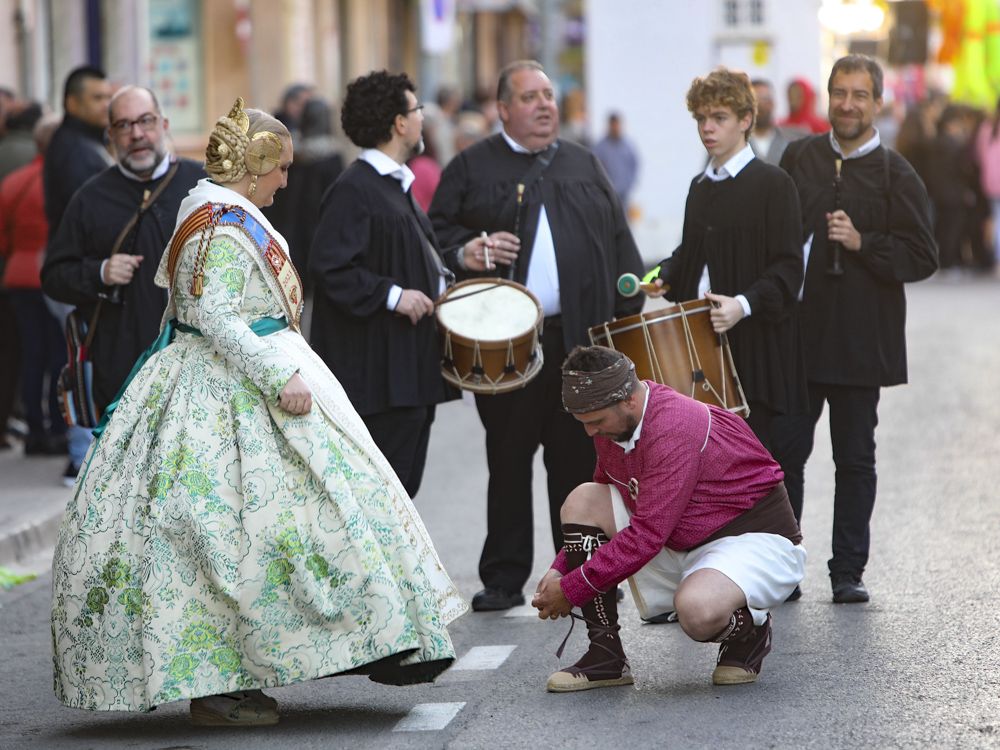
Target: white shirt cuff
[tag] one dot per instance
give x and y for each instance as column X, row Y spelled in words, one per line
column 101, row 272
column 744, row 304
column 393, row 299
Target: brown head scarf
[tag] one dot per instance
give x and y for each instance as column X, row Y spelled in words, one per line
column 584, row 391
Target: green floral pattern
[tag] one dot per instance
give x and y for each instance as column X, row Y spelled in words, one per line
column 218, row 543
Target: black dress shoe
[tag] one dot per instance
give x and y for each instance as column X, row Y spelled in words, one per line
column 661, row 618
column 795, row 595
column 848, row 589
column 492, row 599
column 619, row 594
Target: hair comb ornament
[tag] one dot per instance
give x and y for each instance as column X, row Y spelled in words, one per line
column 237, row 115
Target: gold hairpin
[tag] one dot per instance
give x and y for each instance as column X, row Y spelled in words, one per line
column 239, row 116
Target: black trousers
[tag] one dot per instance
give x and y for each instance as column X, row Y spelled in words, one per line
column 853, row 418
column 760, row 420
column 402, row 435
column 43, row 353
column 516, row 424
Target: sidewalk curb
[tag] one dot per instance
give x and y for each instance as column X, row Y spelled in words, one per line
column 21, row 543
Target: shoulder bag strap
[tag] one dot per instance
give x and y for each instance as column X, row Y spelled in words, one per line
column 148, row 198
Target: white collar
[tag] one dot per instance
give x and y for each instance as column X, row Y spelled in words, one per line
column 732, row 167
column 629, row 444
column 870, row 145
column 386, row 165
column 514, row 145
column 161, row 169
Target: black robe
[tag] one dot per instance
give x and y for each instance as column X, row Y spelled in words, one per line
column 747, row 231
column 593, row 242
column 371, row 236
column 91, row 223
column 853, row 326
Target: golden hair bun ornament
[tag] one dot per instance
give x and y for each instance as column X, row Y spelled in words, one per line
column 263, row 153
column 237, row 115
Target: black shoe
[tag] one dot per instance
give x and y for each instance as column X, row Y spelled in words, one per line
column 661, row 618
column 492, row 599
column 619, row 594
column 795, row 595
column 848, row 588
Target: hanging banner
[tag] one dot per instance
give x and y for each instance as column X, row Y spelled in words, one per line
column 437, row 25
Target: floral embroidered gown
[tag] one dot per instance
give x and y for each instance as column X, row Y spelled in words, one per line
column 216, row 542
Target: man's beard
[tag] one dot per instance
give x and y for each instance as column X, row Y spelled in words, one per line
column 630, row 424
column 848, row 129
column 131, row 164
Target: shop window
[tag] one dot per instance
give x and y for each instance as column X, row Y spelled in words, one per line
column 743, row 14
column 175, row 46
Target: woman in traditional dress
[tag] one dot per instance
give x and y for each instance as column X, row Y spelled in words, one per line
column 234, row 526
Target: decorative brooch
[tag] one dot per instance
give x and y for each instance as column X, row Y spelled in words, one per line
column 633, row 488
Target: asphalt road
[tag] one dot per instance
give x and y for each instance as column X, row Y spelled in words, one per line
column 917, row 667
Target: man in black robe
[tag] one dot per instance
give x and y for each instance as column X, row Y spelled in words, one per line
column 78, row 269
column 567, row 240
column 864, row 237
column 741, row 248
column 376, row 270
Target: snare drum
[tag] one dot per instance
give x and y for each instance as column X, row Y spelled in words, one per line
column 490, row 331
column 676, row 346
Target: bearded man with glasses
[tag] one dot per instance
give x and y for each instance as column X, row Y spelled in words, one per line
column 106, row 249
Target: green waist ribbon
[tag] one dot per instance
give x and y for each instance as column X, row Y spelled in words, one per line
column 262, row 327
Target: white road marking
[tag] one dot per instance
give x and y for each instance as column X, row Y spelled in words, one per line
column 525, row 610
column 428, row 717
column 483, row 657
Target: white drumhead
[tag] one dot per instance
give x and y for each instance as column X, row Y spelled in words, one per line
column 491, row 313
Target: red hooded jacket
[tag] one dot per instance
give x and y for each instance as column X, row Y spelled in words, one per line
column 805, row 116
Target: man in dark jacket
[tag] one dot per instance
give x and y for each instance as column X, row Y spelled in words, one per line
column 376, row 269
column 867, row 231
column 76, row 153
column 79, row 268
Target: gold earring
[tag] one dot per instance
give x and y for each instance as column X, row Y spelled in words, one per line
column 253, row 186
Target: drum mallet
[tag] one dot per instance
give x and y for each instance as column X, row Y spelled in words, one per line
column 630, row 285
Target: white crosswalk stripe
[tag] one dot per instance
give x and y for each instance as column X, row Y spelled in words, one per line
column 428, row 717
column 483, row 657
column 525, row 610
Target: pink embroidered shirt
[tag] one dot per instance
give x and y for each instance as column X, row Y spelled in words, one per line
column 693, row 469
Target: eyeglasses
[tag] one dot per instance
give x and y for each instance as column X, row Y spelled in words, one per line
column 147, row 123
column 415, row 109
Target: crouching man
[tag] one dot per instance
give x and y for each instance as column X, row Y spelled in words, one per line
column 687, row 503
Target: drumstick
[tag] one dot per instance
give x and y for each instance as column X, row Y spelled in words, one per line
column 486, row 251
column 442, row 300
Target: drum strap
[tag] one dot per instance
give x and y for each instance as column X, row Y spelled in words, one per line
column 435, row 266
